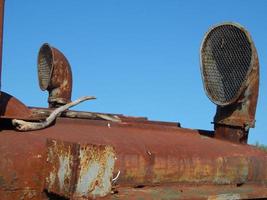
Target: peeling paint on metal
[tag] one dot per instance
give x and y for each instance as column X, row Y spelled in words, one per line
column 96, row 171
column 28, row 194
column 178, row 158
column 225, row 197
column 51, row 180
column 106, row 178
column 79, row 171
column 227, row 173
column 86, row 181
column 60, row 166
column 64, row 171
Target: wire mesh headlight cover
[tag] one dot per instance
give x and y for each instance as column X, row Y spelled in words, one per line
column 45, row 66
column 226, row 62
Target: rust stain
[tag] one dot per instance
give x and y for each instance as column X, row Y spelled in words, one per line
column 231, row 79
column 189, row 192
column 80, row 165
column 154, row 160
column 60, row 162
column 96, row 171
column 10, row 107
column 55, row 75
column 79, row 171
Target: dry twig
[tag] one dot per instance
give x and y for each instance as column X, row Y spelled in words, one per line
column 22, row 125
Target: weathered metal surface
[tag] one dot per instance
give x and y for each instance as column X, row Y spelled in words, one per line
column 21, row 166
column 231, row 133
column 54, row 75
column 230, row 72
column 42, row 113
column 131, row 159
column 241, row 115
column 95, row 172
column 190, row 192
column 79, row 171
column 10, row 107
column 147, row 155
column 61, row 167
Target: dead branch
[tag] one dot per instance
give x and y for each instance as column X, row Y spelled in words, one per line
column 22, row 125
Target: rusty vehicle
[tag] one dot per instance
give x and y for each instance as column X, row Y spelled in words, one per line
column 56, row 153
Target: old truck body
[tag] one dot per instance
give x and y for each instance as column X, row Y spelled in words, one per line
column 85, row 155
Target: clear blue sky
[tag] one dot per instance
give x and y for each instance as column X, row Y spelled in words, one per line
column 138, row 57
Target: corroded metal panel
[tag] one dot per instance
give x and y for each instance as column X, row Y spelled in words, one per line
column 189, row 192
column 79, row 171
column 95, row 171
column 80, row 161
column 21, row 167
column 11, row 107
column 60, row 167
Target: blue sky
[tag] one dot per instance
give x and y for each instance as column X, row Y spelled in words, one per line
column 139, row 58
